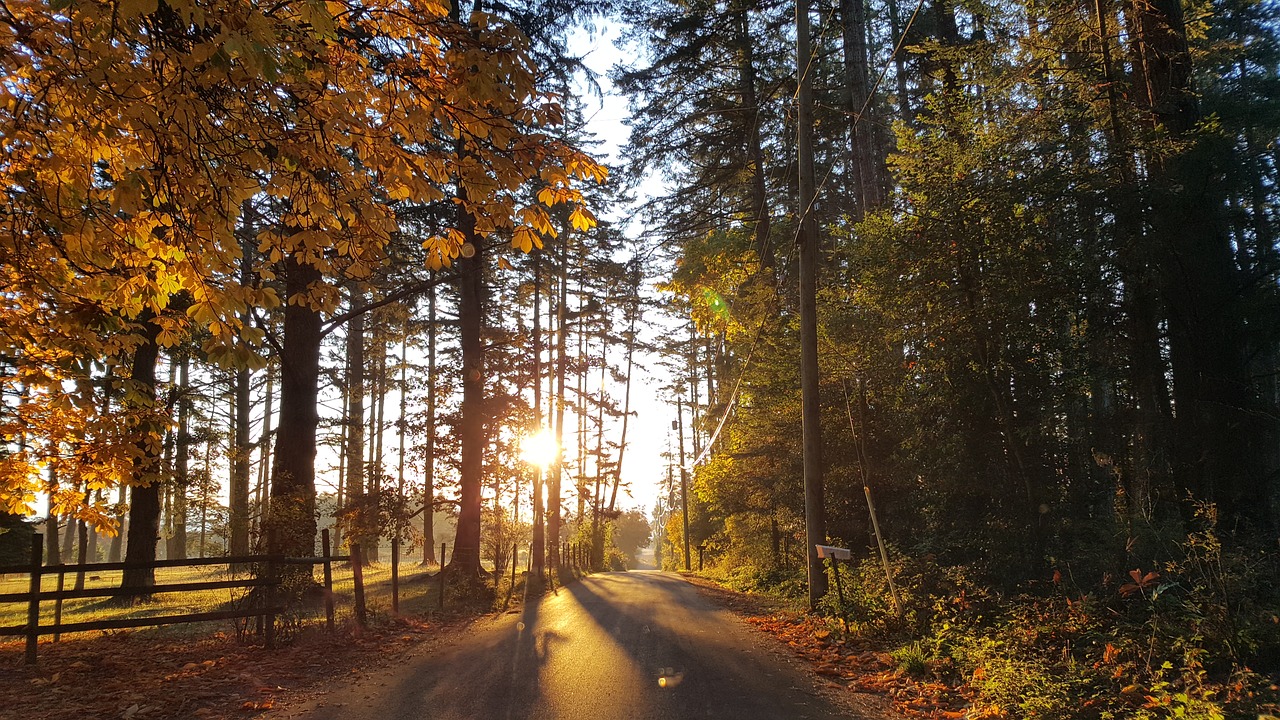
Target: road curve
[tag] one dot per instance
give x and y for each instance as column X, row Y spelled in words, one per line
column 613, row 646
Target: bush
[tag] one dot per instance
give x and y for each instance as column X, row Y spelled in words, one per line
column 615, row 560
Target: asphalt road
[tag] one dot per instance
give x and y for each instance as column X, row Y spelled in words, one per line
column 614, row 646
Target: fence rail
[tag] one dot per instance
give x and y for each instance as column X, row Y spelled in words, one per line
column 267, row 578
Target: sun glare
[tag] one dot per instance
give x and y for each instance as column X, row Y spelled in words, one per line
column 539, row 449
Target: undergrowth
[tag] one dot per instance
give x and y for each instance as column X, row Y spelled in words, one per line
column 1195, row 637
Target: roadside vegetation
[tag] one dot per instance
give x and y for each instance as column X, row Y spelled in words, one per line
column 1194, row 636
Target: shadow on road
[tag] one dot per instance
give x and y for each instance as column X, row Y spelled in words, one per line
column 631, row 646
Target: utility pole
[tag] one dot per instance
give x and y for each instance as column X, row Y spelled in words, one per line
column 814, row 515
column 684, row 481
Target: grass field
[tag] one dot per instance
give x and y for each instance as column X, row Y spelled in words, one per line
column 419, row 594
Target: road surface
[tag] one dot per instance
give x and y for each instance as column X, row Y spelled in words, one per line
column 613, row 646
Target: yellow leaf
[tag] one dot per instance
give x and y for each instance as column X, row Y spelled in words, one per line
column 133, row 8
column 582, row 219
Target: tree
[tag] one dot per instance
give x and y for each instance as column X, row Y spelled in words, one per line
column 631, row 532
column 328, row 181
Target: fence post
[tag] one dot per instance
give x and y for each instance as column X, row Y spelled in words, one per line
column 57, row 605
column 328, row 579
column 33, row 603
column 443, row 547
column 395, row 575
column 357, row 572
column 269, row 599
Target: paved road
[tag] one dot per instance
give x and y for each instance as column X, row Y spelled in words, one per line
column 614, row 646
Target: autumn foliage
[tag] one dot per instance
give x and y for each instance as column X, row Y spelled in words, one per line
column 138, row 136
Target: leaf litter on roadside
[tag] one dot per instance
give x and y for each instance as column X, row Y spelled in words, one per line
column 860, row 666
column 121, row 675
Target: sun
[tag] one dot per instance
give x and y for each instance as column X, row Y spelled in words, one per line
column 539, row 449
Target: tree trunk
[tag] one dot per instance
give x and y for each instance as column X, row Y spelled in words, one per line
column 557, row 474
column 626, row 402
column 399, row 520
column 69, row 533
column 144, row 508
column 264, row 457
column 238, row 490
column 429, row 461
column 52, row 550
column 754, row 146
column 1147, row 475
column 1217, row 442
column 374, row 472
column 538, row 554
column 82, row 548
column 356, row 504
column 905, row 113
column 580, row 481
column 473, row 434
column 865, row 174
column 177, row 546
column 117, row 541
column 93, row 532
column 291, row 526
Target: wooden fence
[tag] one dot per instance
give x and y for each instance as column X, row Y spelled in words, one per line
column 267, row 578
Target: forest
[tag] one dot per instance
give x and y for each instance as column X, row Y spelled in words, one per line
column 984, row 290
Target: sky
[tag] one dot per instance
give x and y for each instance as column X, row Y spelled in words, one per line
column 650, row 424
column 649, row 431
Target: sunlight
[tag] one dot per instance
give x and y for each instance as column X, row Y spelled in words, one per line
column 539, row 449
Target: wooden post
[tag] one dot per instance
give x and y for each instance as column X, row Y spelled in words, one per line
column 884, row 556
column 328, row 579
column 57, row 605
column 844, row 617
column 395, row 575
column 810, row 258
column 357, row 560
column 684, row 481
column 269, row 597
column 443, row 547
column 700, row 549
column 515, row 553
column 33, row 603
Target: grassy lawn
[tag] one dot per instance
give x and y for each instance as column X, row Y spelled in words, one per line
column 419, row 595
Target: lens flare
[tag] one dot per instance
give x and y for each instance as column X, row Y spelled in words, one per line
column 539, row 449
column 715, row 304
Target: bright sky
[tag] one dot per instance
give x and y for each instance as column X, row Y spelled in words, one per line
column 647, row 434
